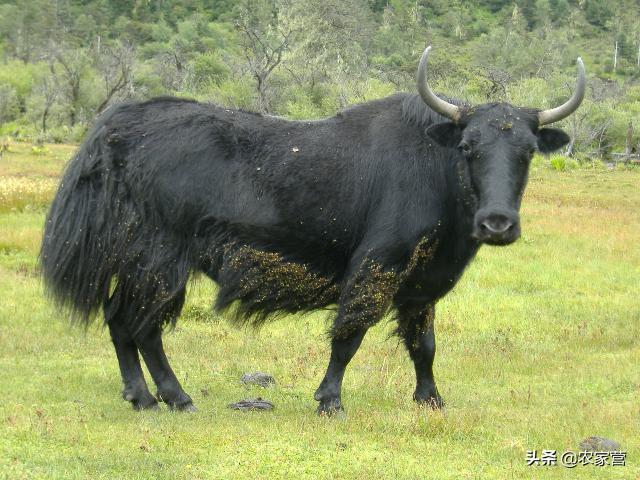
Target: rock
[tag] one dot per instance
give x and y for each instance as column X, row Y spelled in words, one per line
column 252, row 404
column 599, row 444
column 258, row 378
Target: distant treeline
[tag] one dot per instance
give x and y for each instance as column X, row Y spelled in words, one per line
column 62, row 62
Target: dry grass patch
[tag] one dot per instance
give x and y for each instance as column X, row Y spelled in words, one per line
column 24, row 193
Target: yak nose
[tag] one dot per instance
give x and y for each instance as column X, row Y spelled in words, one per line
column 496, row 223
column 498, row 228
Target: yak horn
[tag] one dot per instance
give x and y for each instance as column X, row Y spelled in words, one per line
column 546, row 117
column 445, row 109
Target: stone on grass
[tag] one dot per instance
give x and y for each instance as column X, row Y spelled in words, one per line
column 252, row 404
column 258, row 378
column 599, row 444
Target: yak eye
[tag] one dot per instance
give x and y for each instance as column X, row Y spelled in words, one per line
column 465, row 148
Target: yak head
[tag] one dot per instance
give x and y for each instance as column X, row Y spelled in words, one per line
column 497, row 142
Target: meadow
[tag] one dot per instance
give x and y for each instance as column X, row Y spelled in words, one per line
column 538, row 348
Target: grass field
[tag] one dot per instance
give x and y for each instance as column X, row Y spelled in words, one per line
column 539, row 347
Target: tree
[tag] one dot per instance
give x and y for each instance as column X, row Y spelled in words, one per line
column 597, row 12
column 49, row 89
column 27, row 27
column 264, row 38
column 9, row 105
column 69, row 65
column 115, row 66
column 341, row 58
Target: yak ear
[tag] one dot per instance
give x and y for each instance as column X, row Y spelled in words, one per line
column 551, row 139
column 447, row 134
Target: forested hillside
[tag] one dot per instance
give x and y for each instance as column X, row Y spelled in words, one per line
column 65, row 61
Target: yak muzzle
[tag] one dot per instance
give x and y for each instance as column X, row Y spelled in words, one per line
column 496, row 228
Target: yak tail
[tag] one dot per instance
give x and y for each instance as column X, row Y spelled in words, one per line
column 75, row 253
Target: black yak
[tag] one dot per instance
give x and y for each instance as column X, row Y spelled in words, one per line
column 378, row 208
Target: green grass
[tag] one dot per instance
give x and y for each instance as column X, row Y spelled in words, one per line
column 538, row 348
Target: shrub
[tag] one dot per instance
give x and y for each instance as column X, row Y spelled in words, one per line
column 39, row 150
column 558, row 162
column 77, row 133
column 208, row 68
column 18, row 132
column 20, row 76
column 234, row 93
column 9, row 104
column 304, row 104
column 561, row 163
column 58, row 134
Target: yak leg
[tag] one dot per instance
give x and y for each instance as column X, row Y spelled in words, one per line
column 329, row 391
column 364, row 302
column 169, row 389
column 416, row 330
column 135, row 387
column 163, row 289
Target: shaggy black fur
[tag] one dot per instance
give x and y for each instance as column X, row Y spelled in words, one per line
column 373, row 208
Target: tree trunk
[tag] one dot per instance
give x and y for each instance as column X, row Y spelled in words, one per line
column 574, row 133
column 262, row 94
column 45, row 114
column 122, row 82
column 628, row 146
column 75, row 95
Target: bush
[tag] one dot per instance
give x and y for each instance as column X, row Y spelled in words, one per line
column 66, row 134
column 558, row 162
column 15, row 130
column 20, row 76
column 305, row 104
column 370, row 89
column 530, row 92
column 9, row 104
column 234, row 93
column 39, row 150
column 58, row 134
column 208, row 68
column 302, row 108
column 561, row 163
column 78, row 132
column 147, row 81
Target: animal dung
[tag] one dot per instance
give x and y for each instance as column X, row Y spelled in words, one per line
column 258, row 378
column 599, row 444
column 252, row 404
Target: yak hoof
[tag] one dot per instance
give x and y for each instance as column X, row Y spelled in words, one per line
column 177, row 401
column 139, row 406
column 434, row 402
column 330, row 408
column 188, row 407
column 140, row 400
